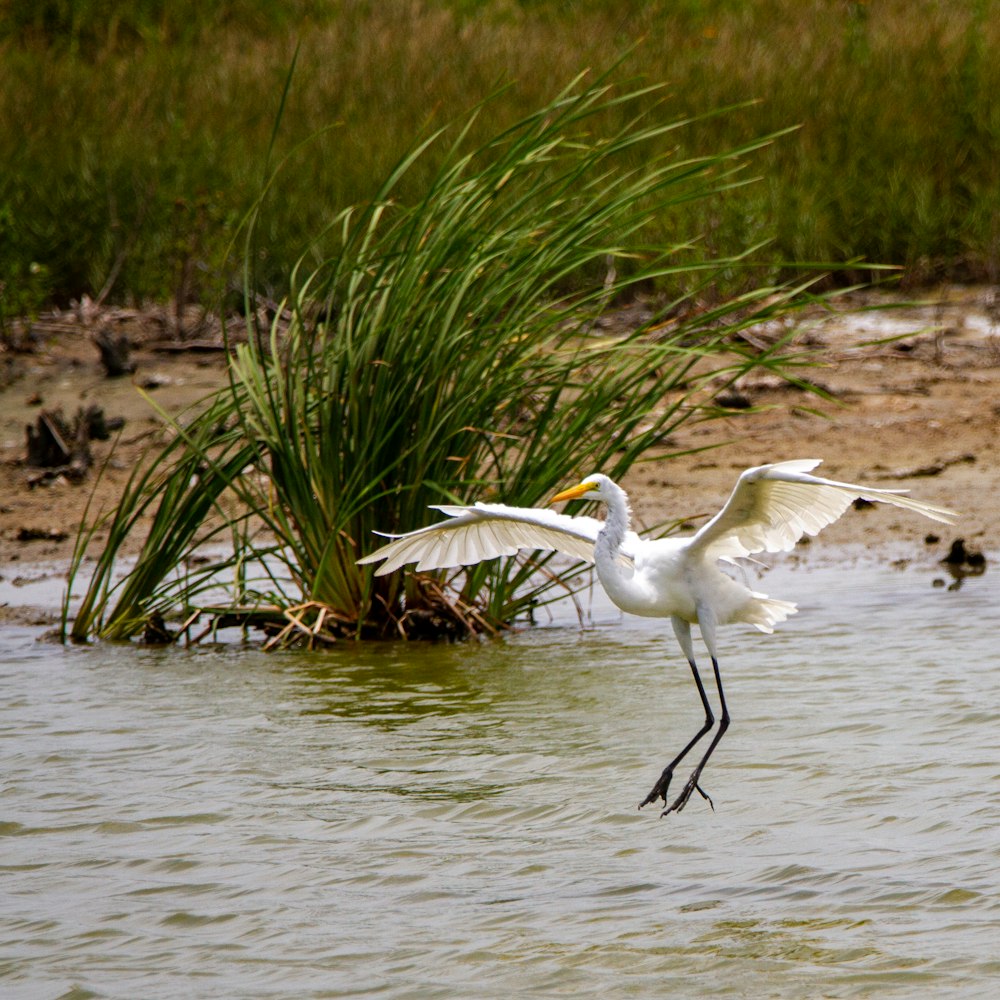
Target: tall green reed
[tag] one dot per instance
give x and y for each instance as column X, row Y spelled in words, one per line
column 447, row 348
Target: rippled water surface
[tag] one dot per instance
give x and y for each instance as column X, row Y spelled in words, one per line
column 460, row 821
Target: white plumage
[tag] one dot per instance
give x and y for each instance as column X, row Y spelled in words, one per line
column 770, row 509
column 488, row 531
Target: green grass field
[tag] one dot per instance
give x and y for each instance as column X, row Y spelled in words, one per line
column 134, row 138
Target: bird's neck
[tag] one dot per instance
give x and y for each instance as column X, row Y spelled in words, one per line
column 616, row 524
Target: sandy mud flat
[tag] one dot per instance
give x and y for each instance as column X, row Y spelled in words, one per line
column 914, row 402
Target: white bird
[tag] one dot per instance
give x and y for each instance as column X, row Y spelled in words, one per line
column 770, row 509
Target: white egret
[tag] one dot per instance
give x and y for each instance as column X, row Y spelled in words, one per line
column 770, row 509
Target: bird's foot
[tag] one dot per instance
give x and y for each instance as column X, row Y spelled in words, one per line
column 682, row 800
column 659, row 790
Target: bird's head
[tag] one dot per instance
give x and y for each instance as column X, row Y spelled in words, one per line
column 595, row 487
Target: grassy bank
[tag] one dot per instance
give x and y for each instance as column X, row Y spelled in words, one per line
column 132, row 144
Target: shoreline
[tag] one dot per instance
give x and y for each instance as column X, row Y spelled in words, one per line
column 31, row 594
column 914, row 403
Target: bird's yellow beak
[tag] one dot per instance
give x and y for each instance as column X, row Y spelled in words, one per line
column 573, row 493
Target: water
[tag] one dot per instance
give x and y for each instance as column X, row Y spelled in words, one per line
column 460, row 821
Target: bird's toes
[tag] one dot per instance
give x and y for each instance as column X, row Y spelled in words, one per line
column 659, row 790
column 649, row 799
column 682, row 800
column 676, row 806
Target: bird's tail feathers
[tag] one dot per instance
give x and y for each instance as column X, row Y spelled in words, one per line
column 765, row 612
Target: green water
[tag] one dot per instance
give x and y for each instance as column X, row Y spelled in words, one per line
column 460, row 821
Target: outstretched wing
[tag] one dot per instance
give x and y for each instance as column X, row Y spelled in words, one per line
column 487, row 531
column 773, row 506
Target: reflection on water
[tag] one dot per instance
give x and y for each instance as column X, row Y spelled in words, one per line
column 460, row 821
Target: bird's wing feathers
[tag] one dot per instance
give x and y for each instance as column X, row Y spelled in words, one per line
column 486, row 531
column 770, row 509
column 773, row 506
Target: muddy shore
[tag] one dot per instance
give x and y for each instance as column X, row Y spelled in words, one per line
column 919, row 411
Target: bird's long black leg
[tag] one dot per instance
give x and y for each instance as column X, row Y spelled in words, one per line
column 659, row 790
column 692, row 783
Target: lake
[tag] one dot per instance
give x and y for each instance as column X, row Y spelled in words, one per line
column 460, row 821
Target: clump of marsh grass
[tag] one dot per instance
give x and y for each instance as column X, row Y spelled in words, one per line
column 446, row 349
